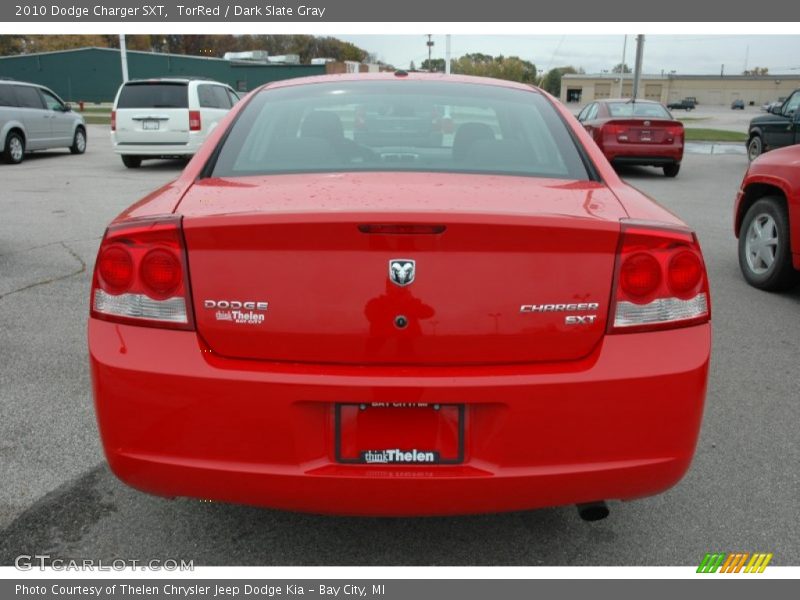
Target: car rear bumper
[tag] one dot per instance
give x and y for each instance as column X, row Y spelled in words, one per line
column 155, row 150
column 178, row 420
column 644, row 154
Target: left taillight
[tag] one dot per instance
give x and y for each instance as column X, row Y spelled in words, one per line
column 660, row 280
column 141, row 275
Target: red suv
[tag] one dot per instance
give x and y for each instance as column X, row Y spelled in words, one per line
column 767, row 220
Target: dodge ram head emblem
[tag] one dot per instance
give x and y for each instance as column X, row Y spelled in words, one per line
column 402, row 271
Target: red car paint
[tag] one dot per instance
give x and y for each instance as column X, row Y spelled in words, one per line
column 524, row 409
column 635, row 140
column 774, row 173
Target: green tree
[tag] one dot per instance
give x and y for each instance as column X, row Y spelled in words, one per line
column 621, row 68
column 433, row 65
column 552, row 80
column 12, row 44
column 756, row 71
column 512, row 68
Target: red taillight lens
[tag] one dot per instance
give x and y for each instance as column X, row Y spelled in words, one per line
column 161, row 272
column 194, row 120
column 140, row 276
column 115, row 268
column 684, row 273
column 660, row 280
column 113, row 120
column 640, row 275
column 613, row 129
column 675, row 131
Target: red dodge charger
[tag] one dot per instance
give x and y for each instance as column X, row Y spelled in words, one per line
column 399, row 294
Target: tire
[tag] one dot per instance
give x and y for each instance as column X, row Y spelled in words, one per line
column 755, row 148
column 14, row 148
column 78, row 141
column 765, row 255
column 671, row 170
column 132, row 162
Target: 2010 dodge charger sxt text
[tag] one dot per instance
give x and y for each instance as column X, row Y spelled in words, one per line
column 399, row 294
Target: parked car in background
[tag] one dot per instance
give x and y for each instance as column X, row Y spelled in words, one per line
column 779, row 128
column 494, row 323
column 166, row 118
column 635, row 133
column 685, row 104
column 767, row 220
column 767, row 106
column 737, row 104
column 33, row 117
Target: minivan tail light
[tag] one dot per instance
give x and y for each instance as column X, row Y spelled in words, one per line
column 113, row 120
column 660, row 280
column 194, row 120
column 141, row 275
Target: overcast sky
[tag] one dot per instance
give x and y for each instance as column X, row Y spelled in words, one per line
column 687, row 54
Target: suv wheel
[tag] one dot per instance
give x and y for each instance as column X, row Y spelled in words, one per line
column 14, row 149
column 132, row 162
column 754, row 147
column 765, row 256
column 79, row 141
column 671, row 170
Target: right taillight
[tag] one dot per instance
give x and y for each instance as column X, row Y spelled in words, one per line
column 195, row 124
column 660, row 280
column 141, row 276
column 113, row 120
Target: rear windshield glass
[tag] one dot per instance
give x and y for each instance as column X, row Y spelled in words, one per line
column 154, row 95
column 400, row 126
column 637, row 109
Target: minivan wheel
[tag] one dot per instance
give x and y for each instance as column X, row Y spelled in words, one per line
column 754, row 147
column 14, row 149
column 671, row 170
column 78, row 142
column 132, row 162
column 765, row 256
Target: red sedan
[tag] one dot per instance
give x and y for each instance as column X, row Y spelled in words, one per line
column 635, row 133
column 767, row 220
column 491, row 322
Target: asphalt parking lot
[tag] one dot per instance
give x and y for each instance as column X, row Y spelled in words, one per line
column 57, row 497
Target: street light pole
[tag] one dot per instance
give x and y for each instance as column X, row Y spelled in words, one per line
column 123, row 55
column 447, row 55
column 622, row 64
column 637, row 72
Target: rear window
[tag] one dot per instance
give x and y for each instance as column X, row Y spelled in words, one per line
column 28, row 97
column 213, row 96
column 638, row 109
column 154, row 95
column 7, row 97
column 400, row 126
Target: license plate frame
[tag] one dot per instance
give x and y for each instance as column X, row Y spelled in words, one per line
column 457, row 459
column 151, row 125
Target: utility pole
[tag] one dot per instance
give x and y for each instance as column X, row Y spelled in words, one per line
column 123, row 55
column 622, row 65
column 430, row 48
column 637, row 71
column 447, row 55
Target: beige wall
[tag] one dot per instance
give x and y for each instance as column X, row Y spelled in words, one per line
column 707, row 90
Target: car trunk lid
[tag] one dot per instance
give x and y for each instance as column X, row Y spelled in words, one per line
column 318, row 268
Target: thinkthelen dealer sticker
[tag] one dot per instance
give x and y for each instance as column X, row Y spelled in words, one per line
column 397, row 456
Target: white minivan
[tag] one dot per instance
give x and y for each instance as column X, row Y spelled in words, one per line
column 165, row 118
